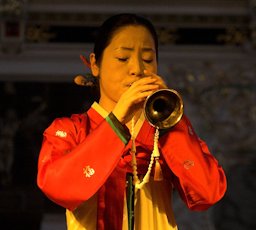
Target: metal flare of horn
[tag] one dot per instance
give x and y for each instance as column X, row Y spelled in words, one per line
column 164, row 108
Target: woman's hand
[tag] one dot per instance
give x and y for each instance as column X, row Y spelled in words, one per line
column 133, row 98
column 159, row 80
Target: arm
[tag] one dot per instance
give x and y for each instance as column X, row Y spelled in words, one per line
column 72, row 165
column 201, row 182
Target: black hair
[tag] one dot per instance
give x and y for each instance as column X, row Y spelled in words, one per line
column 104, row 36
column 112, row 24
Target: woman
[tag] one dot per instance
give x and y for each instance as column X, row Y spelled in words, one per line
column 94, row 164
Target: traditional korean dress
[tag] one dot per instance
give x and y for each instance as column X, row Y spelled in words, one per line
column 85, row 167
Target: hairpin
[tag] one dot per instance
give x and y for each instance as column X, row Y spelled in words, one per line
column 88, row 79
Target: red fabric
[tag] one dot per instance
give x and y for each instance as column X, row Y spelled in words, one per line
column 199, row 179
column 90, row 141
column 111, row 201
column 62, row 161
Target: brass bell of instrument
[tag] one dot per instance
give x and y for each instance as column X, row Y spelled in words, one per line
column 164, row 108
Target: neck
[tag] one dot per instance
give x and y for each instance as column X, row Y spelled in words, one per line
column 106, row 104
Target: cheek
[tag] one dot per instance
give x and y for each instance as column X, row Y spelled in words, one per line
column 152, row 68
column 109, row 81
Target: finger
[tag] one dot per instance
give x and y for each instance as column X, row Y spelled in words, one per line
column 149, row 73
column 144, row 81
column 160, row 80
column 153, row 75
column 138, row 90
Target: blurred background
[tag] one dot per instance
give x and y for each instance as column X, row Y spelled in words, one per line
column 207, row 53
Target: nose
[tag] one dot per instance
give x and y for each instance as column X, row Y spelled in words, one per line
column 137, row 68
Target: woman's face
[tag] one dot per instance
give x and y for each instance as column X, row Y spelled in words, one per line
column 130, row 52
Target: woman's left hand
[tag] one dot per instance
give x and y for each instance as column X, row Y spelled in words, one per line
column 160, row 81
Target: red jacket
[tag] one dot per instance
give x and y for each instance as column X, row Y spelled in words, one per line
column 82, row 154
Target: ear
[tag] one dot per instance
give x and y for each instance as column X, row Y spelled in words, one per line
column 94, row 67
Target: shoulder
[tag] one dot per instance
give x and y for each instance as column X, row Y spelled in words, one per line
column 63, row 125
column 73, row 120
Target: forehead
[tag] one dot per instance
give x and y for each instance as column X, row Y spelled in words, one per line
column 131, row 36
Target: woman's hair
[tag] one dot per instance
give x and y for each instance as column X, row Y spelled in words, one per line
column 112, row 24
column 103, row 39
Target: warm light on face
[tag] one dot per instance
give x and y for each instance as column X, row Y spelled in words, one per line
column 130, row 52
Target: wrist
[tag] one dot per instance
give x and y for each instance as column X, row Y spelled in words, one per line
column 118, row 116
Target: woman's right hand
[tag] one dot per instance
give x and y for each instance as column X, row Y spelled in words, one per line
column 133, row 98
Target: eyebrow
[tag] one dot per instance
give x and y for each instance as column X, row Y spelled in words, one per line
column 131, row 49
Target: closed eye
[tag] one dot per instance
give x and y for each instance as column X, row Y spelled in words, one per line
column 122, row 59
column 148, row 60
